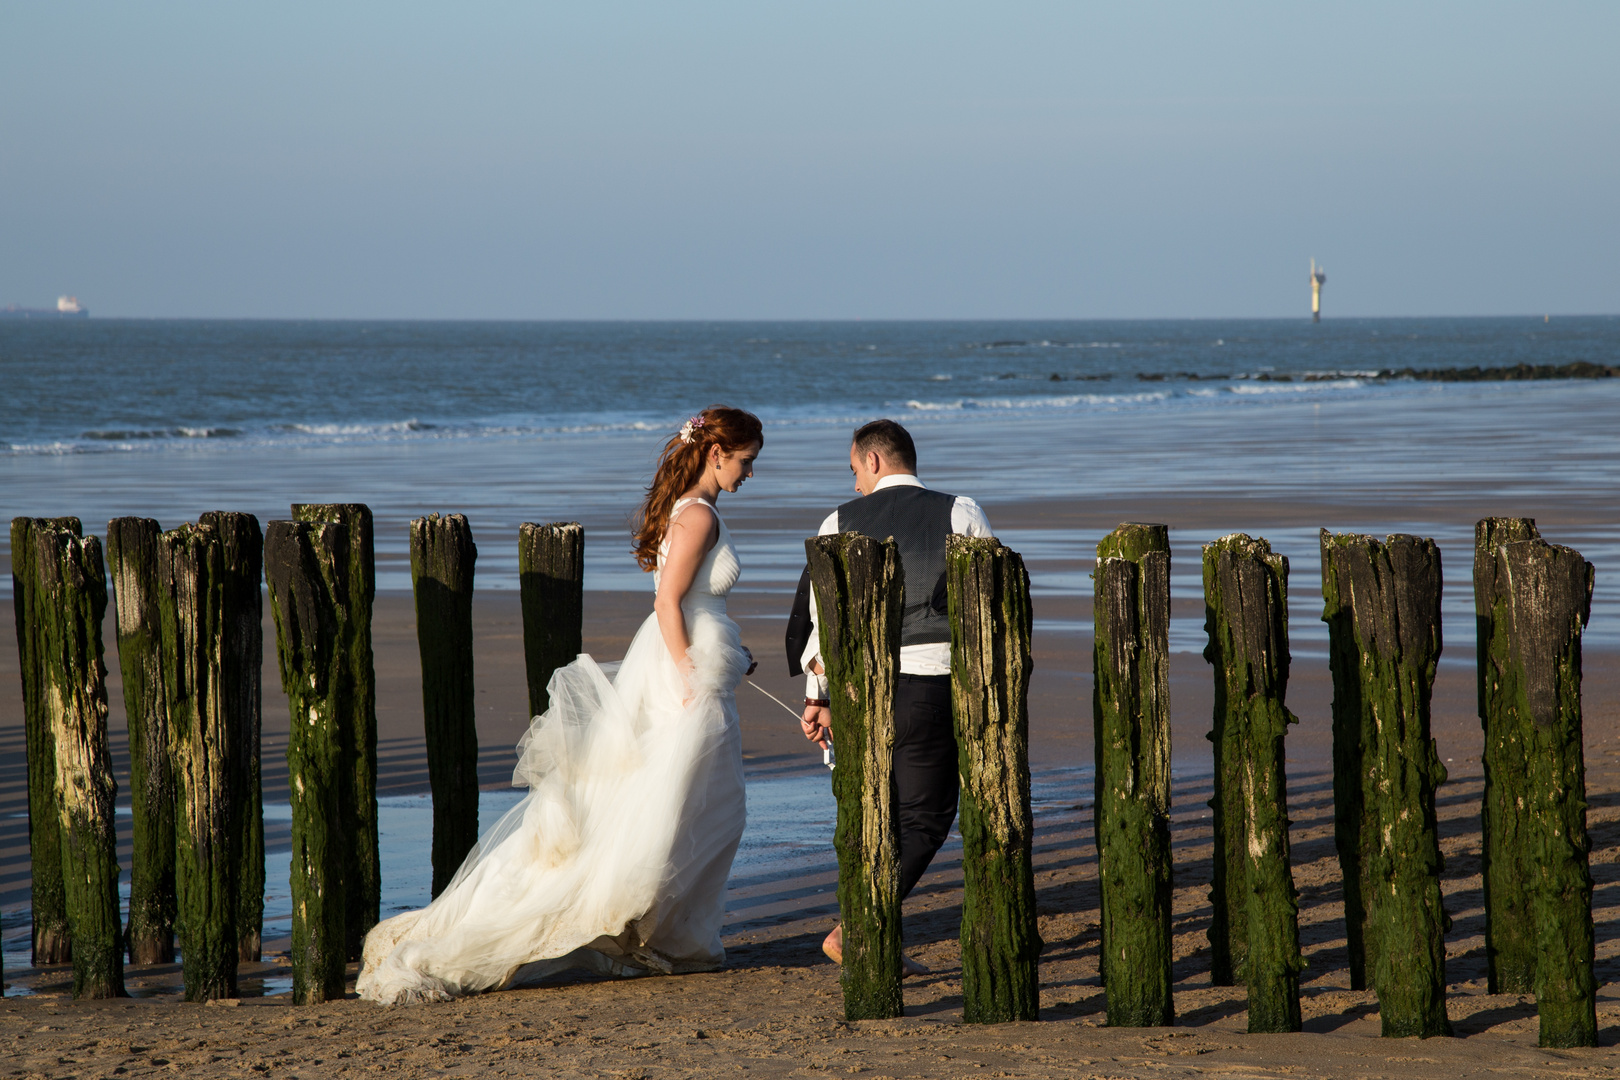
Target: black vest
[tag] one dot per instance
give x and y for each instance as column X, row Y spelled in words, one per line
column 919, row 520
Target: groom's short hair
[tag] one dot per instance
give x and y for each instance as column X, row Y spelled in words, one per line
column 890, row 440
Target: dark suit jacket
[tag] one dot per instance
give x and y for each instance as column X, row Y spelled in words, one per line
column 799, row 626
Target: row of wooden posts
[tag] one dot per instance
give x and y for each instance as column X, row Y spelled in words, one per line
column 190, row 649
column 1382, row 607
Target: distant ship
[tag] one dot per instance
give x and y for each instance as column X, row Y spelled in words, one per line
column 67, row 307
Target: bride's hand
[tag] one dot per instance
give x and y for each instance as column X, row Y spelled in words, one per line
column 753, row 665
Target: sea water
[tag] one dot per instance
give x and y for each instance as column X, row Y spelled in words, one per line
column 513, row 422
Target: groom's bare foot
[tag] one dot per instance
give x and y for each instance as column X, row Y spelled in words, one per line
column 833, row 946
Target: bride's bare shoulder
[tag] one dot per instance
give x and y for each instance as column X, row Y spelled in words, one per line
column 696, row 520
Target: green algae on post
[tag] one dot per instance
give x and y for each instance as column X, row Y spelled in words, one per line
column 48, row 904
column 362, row 858
column 551, row 582
column 860, row 592
column 987, row 590
column 1254, row 935
column 241, row 663
column 213, row 652
column 1131, row 716
column 306, row 567
column 70, row 604
column 1381, row 601
column 1510, row 947
column 442, row 559
column 133, row 558
column 1549, row 599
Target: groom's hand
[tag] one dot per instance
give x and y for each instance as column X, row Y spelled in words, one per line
column 817, row 724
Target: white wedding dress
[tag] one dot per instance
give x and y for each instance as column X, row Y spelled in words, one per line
column 616, row 860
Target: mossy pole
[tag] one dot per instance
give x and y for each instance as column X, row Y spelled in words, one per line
column 860, row 593
column 1381, row 601
column 551, row 577
column 442, row 559
column 1246, row 617
column 306, row 566
column 135, row 565
column 362, row 857
column 1510, row 939
column 48, row 903
column 204, row 739
column 241, row 662
column 987, row 591
column 1131, row 711
column 1549, row 598
column 72, row 602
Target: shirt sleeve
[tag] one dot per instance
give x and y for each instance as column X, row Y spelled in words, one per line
column 968, row 519
column 815, row 686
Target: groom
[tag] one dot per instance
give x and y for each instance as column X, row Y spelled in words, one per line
column 895, row 503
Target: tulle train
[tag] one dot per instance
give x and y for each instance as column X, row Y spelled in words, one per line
column 617, row 858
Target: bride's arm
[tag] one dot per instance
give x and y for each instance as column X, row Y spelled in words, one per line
column 693, row 532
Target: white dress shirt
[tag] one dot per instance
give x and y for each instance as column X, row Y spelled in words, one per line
column 933, row 658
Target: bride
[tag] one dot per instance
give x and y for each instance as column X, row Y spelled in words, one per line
column 617, row 858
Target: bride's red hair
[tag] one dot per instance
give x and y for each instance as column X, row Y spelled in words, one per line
column 679, row 467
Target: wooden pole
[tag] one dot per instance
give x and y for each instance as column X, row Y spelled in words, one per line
column 306, row 567
column 1510, row 940
column 442, row 559
column 551, row 576
column 362, row 858
column 987, row 590
column 1256, row 907
column 860, row 592
column 72, row 602
column 1549, row 599
column 1131, row 711
column 203, row 748
column 1381, row 601
column 241, row 660
column 51, row 944
column 133, row 555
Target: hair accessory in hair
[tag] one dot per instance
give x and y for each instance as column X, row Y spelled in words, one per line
column 691, row 426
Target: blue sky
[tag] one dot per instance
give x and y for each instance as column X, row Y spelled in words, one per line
column 809, row 160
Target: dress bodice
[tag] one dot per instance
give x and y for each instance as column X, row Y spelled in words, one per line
column 720, row 568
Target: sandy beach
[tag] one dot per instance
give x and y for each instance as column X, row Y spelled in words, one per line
column 777, row 1010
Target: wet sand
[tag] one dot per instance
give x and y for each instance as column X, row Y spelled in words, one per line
column 776, row 1011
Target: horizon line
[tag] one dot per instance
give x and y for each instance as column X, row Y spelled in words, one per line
column 47, row 315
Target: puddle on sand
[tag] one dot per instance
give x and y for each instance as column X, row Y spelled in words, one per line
column 789, row 831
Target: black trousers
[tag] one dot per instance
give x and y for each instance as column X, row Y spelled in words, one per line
column 925, row 776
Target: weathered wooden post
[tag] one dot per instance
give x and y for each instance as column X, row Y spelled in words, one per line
column 306, row 567
column 1131, row 710
column 1549, row 596
column 1510, row 938
column 1381, row 601
column 551, row 577
column 860, row 593
column 138, row 588
column 442, row 558
column 1255, row 933
column 362, row 858
column 51, row 944
column 241, row 665
column 987, row 590
column 71, row 602
column 209, row 721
